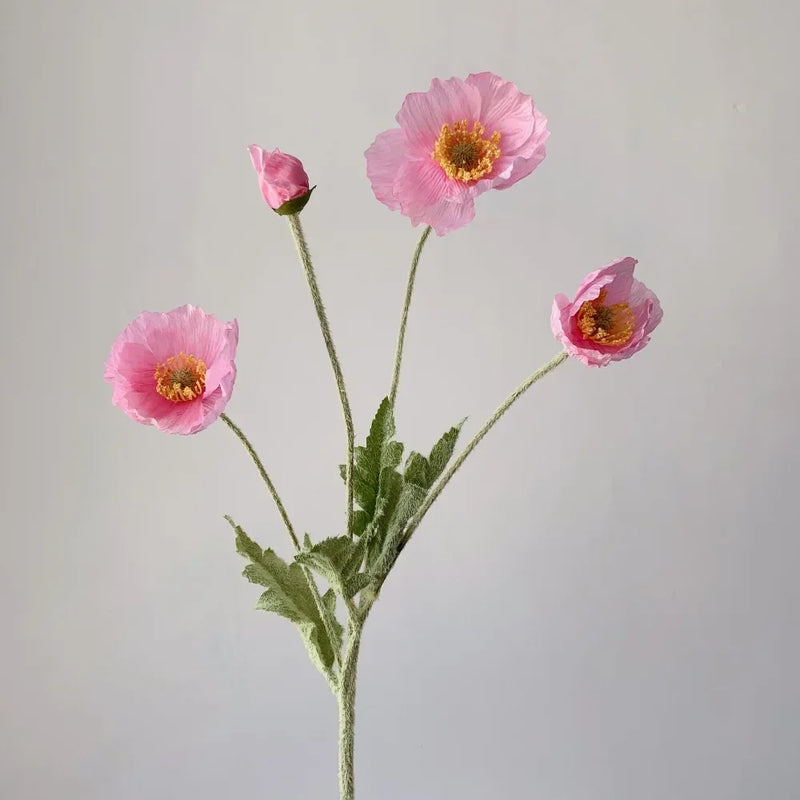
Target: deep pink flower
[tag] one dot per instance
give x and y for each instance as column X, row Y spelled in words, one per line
column 456, row 141
column 174, row 370
column 281, row 177
column 611, row 317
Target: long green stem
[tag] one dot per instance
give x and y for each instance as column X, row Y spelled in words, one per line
column 264, row 476
column 398, row 359
column 347, row 710
column 312, row 585
column 487, row 426
column 308, row 267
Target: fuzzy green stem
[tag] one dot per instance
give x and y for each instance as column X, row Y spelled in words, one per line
column 404, row 319
column 308, row 267
column 321, row 608
column 264, row 476
column 347, row 710
column 488, row 425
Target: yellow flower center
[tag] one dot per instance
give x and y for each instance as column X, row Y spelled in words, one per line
column 465, row 155
column 181, row 378
column 609, row 325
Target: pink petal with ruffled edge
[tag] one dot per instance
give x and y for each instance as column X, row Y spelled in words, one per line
column 423, row 113
column 535, row 152
column 385, row 156
column 505, row 109
column 151, row 339
column 428, row 196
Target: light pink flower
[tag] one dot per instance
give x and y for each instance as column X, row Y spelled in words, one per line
column 281, row 177
column 174, row 370
column 611, row 317
column 456, row 141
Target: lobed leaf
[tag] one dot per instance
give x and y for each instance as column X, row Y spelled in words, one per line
column 287, row 594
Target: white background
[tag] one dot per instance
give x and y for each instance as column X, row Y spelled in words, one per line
column 604, row 604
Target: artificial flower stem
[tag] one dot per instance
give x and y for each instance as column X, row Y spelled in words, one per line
column 321, row 608
column 346, row 697
column 404, row 319
column 487, row 426
column 308, row 267
column 264, row 476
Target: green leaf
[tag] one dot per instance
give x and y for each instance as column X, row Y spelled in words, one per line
column 442, row 453
column 417, row 470
column 337, row 550
column 330, row 558
column 245, row 546
column 358, row 582
column 378, row 453
column 287, row 594
column 375, row 529
column 361, row 520
column 391, row 485
column 329, row 599
column 404, row 496
column 410, row 499
column 392, row 454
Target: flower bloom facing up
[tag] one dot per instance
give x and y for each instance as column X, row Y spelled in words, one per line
column 282, row 179
column 611, row 317
column 456, row 141
column 174, row 370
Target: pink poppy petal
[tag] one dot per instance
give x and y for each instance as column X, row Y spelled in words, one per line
column 616, row 278
column 428, row 196
column 182, row 418
column 619, row 290
column 505, row 109
column 385, row 156
column 221, row 375
column 423, row 113
column 214, row 403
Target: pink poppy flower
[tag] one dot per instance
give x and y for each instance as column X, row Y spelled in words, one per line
column 174, row 370
column 283, row 181
column 611, row 317
column 456, row 141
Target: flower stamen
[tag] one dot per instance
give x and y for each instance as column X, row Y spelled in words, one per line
column 181, row 378
column 607, row 325
column 464, row 154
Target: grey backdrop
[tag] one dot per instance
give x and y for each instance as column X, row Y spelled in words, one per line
column 604, row 604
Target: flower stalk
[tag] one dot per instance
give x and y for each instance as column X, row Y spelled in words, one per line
column 404, row 318
column 312, row 584
column 437, row 489
column 308, row 267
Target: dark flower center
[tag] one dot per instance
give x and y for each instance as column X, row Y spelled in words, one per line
column 463, row 153
column 608, row 325
column 181, row 378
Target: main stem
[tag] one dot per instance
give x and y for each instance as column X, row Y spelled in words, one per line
column 308, row 267
column 398, row 359
column 475, row 441
column 347, row 711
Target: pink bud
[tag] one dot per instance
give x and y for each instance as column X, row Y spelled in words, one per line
column 280, row 176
